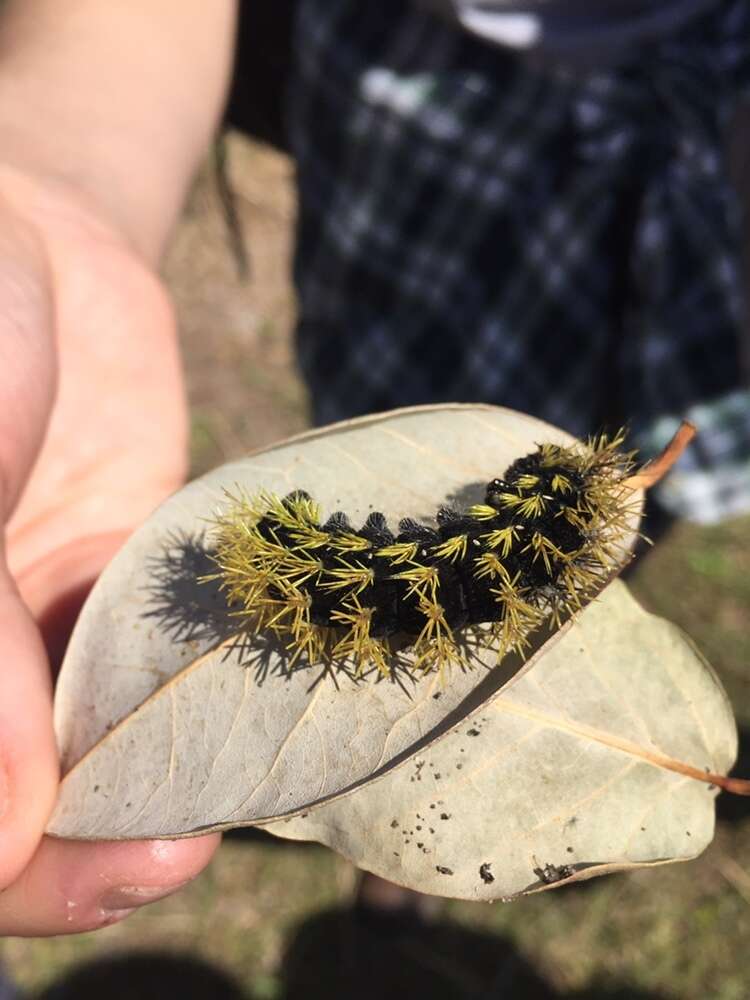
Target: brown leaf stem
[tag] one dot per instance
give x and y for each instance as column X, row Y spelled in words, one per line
column 658, row 467
column 737, row 786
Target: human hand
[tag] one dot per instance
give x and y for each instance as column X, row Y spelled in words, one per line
column 89, row 366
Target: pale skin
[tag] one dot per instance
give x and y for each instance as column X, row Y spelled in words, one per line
column 105, row 113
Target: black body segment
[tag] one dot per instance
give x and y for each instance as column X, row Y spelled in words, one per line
column 547, row 533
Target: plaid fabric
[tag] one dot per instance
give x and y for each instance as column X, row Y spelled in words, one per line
column 475, row 228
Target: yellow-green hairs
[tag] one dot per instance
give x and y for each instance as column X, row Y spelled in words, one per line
column 548, row 533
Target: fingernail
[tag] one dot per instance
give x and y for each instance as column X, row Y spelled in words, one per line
column 127, row 897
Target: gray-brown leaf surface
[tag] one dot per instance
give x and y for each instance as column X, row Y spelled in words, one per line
column 165, row 731
column 570, row 771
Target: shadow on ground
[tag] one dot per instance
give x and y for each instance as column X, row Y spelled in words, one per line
column 344, row 954
column 147, row 976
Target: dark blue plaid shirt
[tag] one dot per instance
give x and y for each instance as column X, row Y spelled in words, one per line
column 475, row 228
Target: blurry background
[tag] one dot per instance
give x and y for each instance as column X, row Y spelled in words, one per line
column 272, row 918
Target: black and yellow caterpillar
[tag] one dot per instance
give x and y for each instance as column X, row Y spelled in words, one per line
column 548, row 533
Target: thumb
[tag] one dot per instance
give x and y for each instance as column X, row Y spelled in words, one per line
column 28, row 756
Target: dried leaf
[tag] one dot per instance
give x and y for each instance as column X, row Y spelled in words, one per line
column 575, row 769
column 166, row 730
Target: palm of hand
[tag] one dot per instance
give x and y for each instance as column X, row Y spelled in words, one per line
column 114, row 448
column 115, row 442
